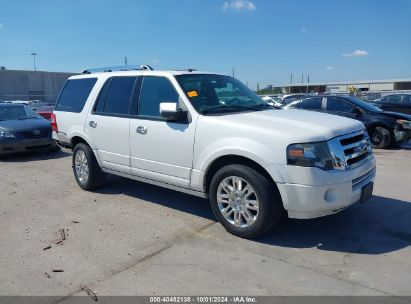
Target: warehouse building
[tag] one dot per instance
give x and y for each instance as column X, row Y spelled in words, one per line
column 380, row 86
column 31, row 85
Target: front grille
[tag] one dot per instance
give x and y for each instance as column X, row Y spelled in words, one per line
column 350, row 150
column 35, row 133
column 356, row 147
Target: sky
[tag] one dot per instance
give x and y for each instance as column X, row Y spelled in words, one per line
column 263, row 40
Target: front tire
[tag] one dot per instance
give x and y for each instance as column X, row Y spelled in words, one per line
column 380, row 137
column 244, row 201
column 86, row 170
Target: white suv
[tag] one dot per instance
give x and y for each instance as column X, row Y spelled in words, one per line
column 208, row 135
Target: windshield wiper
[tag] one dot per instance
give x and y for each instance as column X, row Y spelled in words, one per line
column 263, row 107
column 229, row 107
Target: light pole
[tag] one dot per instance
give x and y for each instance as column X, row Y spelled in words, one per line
column 34, row 60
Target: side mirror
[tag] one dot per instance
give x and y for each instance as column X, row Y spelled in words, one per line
column 170, row 111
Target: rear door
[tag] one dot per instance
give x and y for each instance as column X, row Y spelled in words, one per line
column 109, row 122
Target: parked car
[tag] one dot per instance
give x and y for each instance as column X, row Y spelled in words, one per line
column 400, row 103
column 385, row 128
column 289, row 98
column 45, row 112
column 37, row 105
column 272, row 101
column 210, row 136
column 23, row 130
column 370, row 96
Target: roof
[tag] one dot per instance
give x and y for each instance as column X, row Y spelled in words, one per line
column 346, row 82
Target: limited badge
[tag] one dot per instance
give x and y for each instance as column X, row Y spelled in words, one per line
column 192, row 94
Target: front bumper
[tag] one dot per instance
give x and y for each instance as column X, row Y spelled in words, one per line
column 311, row 192
column 26, row 145
column 402, row 135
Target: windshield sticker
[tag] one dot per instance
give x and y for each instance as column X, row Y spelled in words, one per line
column 192, row 94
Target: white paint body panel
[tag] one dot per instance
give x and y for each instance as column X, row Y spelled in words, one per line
column 178, row 155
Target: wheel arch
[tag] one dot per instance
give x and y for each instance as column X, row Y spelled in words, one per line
column 232, row 159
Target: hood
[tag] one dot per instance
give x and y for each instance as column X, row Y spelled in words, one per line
column 24, row 125
column 397, row 115
column 300, row 125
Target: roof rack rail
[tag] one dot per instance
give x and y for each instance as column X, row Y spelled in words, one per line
column 119, row 68
column 188, row 70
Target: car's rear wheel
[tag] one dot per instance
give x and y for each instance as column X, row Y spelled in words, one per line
column 86, row 170
column 380, row 137
column 244, row 201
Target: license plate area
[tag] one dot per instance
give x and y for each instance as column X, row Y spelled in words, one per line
column 366, row 192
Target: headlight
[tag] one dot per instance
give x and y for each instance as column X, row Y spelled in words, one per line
column 6, row 134
column 310, row 155
column 405, row 124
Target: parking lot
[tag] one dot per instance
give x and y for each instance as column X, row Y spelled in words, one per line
column 130, row 238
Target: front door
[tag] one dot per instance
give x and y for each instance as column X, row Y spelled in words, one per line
column 160, row 150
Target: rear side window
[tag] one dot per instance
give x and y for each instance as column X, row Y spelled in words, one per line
column 116, row 95
column 75, row 94
column 310, row 104
column 338, row 105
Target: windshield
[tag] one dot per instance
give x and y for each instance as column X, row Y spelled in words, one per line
column 364, row 105
column 17, row 112
column 216, row 94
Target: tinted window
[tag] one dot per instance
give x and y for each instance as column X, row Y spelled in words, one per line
column 154, row 91
column 338, row 105
column 310, row 104
column 99, row 107
column 75, row 94
column 119, row 95
column 17, row 113
column 392, row 98
column 406, row 98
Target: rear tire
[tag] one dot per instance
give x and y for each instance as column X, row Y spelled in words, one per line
column 86, row 170
column 244, row 201
column 380, row 137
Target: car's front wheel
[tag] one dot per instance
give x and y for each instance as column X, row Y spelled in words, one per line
column 86, row 170
column 244, row 201
column 380, row 137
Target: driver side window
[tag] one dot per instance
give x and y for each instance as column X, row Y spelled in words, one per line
column 338, row 105
column 154, row 91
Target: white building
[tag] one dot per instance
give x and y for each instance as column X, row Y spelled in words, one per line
column 386, row 85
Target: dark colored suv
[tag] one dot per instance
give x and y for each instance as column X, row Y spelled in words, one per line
column 385, row 128
column 395, row 102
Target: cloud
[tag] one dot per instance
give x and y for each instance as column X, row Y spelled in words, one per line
column 1, row 26
column 356, row 53
column 239, row 5
column 329, row 68
column 304, row 29
column 154, row 60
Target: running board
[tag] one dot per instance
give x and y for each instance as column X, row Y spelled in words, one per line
column 156, row 183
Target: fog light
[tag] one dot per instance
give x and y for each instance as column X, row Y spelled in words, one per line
column 330, row 195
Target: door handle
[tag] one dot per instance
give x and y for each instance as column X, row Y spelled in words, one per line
column 141, row 130
column 92, row 124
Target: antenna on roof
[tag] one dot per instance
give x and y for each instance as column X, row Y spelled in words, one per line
column 146, row 67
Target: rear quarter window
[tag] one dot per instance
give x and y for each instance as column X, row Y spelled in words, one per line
column 74, row 95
